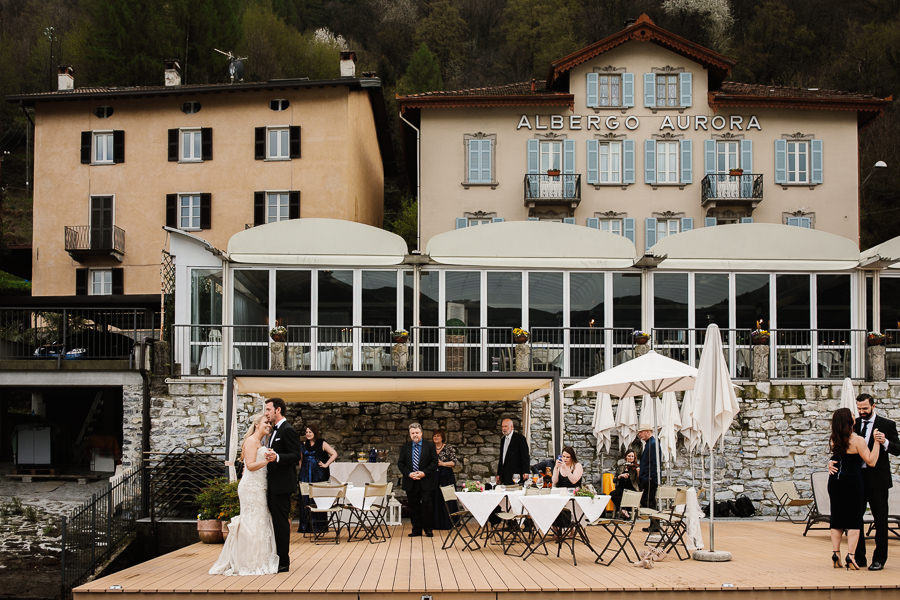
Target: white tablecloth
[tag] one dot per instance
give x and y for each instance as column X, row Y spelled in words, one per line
column 359, row 474
column 591, row 508
column 545, row 508
column 211, row 358
column 481, row 504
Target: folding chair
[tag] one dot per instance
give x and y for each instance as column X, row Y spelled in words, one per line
column 304, row 509
column 893, row 514
column 820, row 511
column 512, row 529
column 673, row 527
column 459, row 521
column 370, row 519
column 332, row 512
column 620, row 530
column 786, row 496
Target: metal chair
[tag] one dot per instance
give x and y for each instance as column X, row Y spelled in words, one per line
column 370, row 518
column 332, row 512
column 787, row 496
column 820, row 511
column 459, row 520
column 620, row 530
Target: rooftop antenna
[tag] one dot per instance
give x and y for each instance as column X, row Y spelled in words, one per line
column 235, row 65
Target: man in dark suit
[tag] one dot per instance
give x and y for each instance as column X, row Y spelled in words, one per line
column 418, row 464
column 281, row 474
column 876, row 429
column 648, row 479
column 513, row 454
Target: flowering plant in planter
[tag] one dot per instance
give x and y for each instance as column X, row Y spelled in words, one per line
column 640, row 337
column 875, row 338
column 278, row 333
column 520, row 336
column 401, row 336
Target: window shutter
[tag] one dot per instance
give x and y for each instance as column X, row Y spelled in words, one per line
column 487, row 150
column 687, row 223
column 118, row 146
column 709, row 222
column 86, row 138
column 461, row 222
column 806, row 222
column 593, row 222
column 259, row 146
column 709, row 165
column 294, row 205
column 81, row 282
column 173, row 145
column 628, row 161
column 474, row 156
column 593, row 85
column 780, row 161
column 793, row 221
column 649, row 89
column 569, row 168
column 627, row 89
column 171, row 210
column 746, row 219
column 649, row 161
column 533, row 159
column 593, row 165
column 206, row 152
column 650, row 232
column 259, row 208
column 294, row 134
column 569, row 220
column 747, row 166
column 533, row 219
column 628, row 228
column 687, row 161
column 205, row 211
column 816, row 171
column 496, row 219
column 118, row 281
column 684, row 85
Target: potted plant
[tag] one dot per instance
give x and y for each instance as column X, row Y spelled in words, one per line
column 231, row 506
column 759, row 337
column 875, row 338
column 520, row 336
column 735, row 172
column 640, row 337
column 401, row 336
column 278, row 333
column 210, row 501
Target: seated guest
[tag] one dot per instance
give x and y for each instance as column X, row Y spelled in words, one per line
column 626, row 479
column 314, row 468
column 567, row 472
column 446, row 462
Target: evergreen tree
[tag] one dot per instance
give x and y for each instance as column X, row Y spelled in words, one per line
column 423, row 73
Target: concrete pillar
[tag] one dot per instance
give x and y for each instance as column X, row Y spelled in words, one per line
column 875, row 367
column 523, row 357
column 759, row 370
column 276, row 350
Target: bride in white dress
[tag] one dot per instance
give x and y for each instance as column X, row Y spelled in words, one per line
column 250, row 547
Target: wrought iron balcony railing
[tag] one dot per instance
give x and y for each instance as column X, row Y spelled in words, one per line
column 724, row 189
column 543, row 189
column 83, row 241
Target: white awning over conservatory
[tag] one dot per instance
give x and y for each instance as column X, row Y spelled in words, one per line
column 884, row 255
column 317, row 242
column 756, row 247
column 532, row 244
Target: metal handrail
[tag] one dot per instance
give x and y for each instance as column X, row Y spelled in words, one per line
column 81, row 237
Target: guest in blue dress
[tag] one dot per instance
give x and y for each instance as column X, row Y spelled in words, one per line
column 314, row 468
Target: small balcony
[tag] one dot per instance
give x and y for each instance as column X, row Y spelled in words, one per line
column 726, row 190
column 553, row 190
column 85, row 242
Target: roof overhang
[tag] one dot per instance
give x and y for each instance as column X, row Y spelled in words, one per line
column 866, row 108
column 486, row 101
column 883, row 256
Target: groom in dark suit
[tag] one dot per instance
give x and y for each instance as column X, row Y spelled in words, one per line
column 281, row 474
column 876, row 429
column 418, row 464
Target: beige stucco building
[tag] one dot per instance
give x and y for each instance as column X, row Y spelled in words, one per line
column 113, row 166
column 644, row 132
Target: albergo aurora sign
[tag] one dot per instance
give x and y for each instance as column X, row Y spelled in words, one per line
column 632, row 122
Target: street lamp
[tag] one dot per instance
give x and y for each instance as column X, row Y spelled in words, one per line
column 879, row 164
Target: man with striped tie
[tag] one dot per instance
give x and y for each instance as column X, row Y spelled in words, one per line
column 417, row 464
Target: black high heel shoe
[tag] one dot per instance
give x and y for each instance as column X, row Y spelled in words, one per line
column 851, row 563
column 836, row 560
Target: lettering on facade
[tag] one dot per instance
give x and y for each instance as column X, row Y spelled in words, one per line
column 632, row 122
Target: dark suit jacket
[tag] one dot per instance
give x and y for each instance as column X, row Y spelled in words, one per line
column 648, row 464
column 881, row 472
column 427, row 464
column 282, row 475
column 517, row 459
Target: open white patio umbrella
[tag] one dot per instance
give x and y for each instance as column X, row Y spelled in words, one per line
column 714, row 409
column 848, row 397
column 603, row 423
column 626, row 421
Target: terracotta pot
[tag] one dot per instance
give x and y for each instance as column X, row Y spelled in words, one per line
column 520, row 339
column 210, row 531
column 277, row 337
column 640, row 340
column 875, row 341
column 225, row 530
column 401, row 339
column 759, row 340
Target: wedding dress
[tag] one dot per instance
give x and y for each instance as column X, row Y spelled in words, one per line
column 250, row 547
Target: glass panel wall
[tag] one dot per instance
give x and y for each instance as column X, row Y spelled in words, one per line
column 889, row 312
column 711, row 300
column 751, row 301
column 626, row 309
column 833, row 325
column 293, row 309
column 586, row 319
column 545, row 319
column 793, row 318
column 463, row 318
column 335, row 314
column 670, row 314
column 251, row 317
column 204, row 342
column 504, row 313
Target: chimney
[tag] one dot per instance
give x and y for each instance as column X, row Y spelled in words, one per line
column 348, row 64
column 65, row 78
column 172, row 73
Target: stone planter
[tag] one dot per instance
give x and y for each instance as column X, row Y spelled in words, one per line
column 210, row 531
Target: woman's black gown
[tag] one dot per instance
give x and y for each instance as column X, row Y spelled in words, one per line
column 445, row 476
column 845, row 489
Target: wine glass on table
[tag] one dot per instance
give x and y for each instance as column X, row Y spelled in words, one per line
column 516, row 478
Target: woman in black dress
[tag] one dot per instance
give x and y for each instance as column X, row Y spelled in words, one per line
column 626, row 479
column 446, row 461
column 567, row 472
column 314, row 468
column 845, row 488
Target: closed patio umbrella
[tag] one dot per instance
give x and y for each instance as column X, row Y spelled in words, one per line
column 626, row 421
column 689, row 429
column 670, row 423
column 603, row 423
column 848, row 397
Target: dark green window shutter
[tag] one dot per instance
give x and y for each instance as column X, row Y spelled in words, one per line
column 294, row 205
column 295, row 141
column 205, row 211
column 206, row 143
column 81, row 282
column 259, row 208
column 173, row 145
column 171, row 210
column 118, row 146
column 118, row 281
column 86, row 137
column 260, row 143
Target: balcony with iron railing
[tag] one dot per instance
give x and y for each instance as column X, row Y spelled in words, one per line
column 85, row 241
column 726, row 190
column 552, row 190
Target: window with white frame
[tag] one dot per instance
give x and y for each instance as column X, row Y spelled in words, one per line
column 611, row 225
column 727, row 155
column 667, row 162
column 609, row 160
column 551, row 156
column 797, row 161
column 278, row 146
column 667, row 90
column 473, row 221
column 191, row 145
column 609, row 90
column 103, row 147
column 277, row 206
column 189, row 211
column 101, row 282
column 665, row 227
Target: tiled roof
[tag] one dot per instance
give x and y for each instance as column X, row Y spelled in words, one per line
column 736, row 88
column 522, row 88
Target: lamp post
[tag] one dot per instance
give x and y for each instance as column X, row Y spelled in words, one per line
column 879, row 164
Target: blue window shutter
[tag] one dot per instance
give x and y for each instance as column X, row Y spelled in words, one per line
column 486, row 162
column 496, row 219
column 461, row 222
column 684, row 85
column 649, row 161
column 627, row 89
column 747, row 166
column 569, row 220
column 628, row 161
column 709, row 165
column 650, row 232
column 816, row 171
column 474, row 156
column 746, row 219
column 649, row 89
column 687, row 161
column 533, row 219
column 533, row 164
column 593, row 169
column 781, row 161
column 806, row 222
column 628, row 228
column 794, row 221
column 709, row 222
column 687, row 223
column 593, row 84
column 593, row 222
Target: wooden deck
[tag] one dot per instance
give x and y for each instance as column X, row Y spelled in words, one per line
column 771, row 560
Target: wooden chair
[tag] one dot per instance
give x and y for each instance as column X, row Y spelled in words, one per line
column 459, row 520
column 332, row 513
column 370, row 518
column 787, row 496
column 620, row 530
